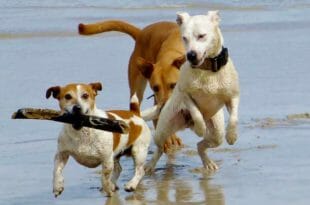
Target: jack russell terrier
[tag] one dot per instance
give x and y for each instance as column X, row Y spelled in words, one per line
column 92, row 147
column 208, row 81
column 156, row 58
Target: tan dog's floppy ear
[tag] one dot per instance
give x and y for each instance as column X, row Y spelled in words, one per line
column 96, row 86
column 145, row 67
column 214, row 16
column 178, row 62
column 182, row 17
column 53, row 90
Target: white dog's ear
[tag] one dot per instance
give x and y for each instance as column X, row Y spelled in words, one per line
column 214, row 16
column 182, row 17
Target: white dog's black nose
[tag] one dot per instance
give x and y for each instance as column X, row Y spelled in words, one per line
column 191, row 56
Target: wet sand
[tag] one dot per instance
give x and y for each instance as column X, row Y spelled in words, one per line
column 269, row 164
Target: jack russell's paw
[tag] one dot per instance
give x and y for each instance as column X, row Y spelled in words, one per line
column 231, row 135
column 149, row 168
column 57, row 191
column 172, row 144
column 109, row 189
column 130, row 187
column 58, row 187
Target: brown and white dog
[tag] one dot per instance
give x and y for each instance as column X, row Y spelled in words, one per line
column 92, row 147
column 157, row 57
column 208, row 82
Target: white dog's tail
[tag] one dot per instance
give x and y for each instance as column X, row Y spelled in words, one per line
column 135, row 105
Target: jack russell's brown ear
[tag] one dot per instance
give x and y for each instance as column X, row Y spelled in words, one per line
column 55, row 91
column 146, row 68
column 96, row 86
column 178, row 62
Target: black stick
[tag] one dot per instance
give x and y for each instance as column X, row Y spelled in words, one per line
column 77, row 120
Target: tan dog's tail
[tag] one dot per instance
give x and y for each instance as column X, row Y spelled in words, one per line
column 135, row 105
column 112, row 25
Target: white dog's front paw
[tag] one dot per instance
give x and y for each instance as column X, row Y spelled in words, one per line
column 231, row 134
column 58, row 187
column 210, row 166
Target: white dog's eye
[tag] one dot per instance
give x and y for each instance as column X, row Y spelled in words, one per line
column 201, row 36
column 185, row 39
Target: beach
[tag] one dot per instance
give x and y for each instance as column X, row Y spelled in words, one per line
column 269, row 44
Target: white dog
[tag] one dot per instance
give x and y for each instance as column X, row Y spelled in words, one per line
column 92, row 147
column 208, row 81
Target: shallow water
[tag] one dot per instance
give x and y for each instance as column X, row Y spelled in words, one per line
column 269, row 43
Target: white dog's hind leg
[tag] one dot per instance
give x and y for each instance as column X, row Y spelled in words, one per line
column 231, row 130
column 58, row 179
column 213, row 139
column 139, row 154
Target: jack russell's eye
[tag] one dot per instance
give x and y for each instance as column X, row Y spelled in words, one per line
column 201, row 36
column 156, row 88
column 85, row 96
column 68, row 97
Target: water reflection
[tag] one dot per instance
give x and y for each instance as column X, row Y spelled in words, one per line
column 173, row 185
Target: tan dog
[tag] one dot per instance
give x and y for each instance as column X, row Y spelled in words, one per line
column 157, row 57
column 208, row 82
column 92, row 147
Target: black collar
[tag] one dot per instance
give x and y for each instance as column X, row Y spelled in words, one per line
column 216, row 63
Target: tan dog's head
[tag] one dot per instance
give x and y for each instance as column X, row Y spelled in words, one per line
column 75, row 98
column 201, row 36
column 162, row 76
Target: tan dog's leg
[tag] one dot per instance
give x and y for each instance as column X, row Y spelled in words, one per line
column 107, row 168
column 213, row 139
column 137, row 82
column 58, row 179
column 139, row 154
column 231, row 130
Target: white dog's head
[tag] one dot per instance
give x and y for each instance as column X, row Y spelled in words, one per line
column 201, row 36
column 75, row 98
